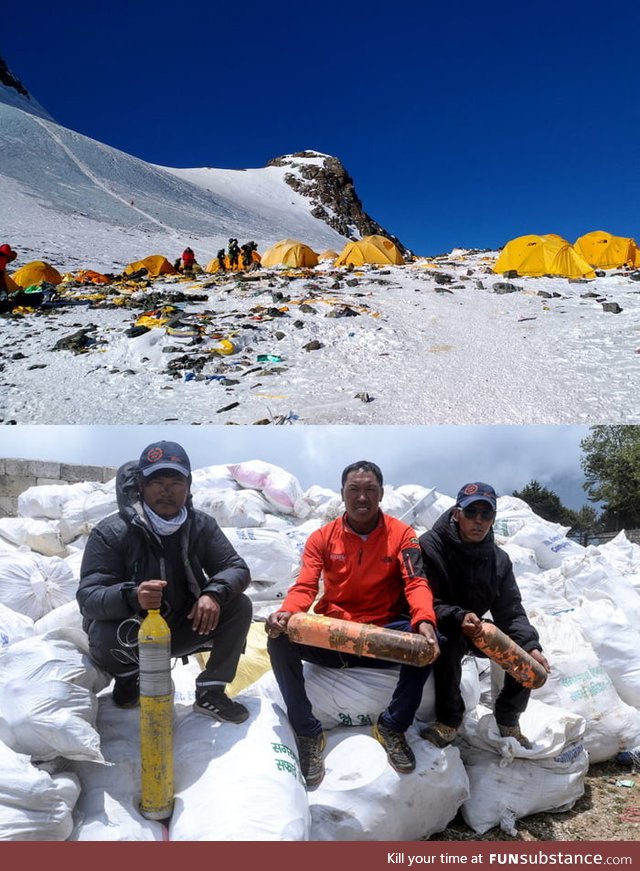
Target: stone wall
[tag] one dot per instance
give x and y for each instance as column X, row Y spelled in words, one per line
column 18, row 475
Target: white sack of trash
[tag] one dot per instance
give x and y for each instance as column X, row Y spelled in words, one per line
column 507, row 781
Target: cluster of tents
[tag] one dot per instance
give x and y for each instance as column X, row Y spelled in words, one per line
column 295, row 254
column 552, row 255
column 529, row 255
column 289, row 253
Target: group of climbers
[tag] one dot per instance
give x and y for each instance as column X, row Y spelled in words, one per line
column 238, row 256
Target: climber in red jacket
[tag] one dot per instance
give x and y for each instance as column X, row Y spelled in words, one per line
column 188, row 259
column 7, row 255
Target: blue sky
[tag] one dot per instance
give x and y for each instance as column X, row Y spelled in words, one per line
column 444, row 457
column 462, row 124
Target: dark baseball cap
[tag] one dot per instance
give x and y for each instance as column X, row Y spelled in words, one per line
column 477, row 492
column 164, row 455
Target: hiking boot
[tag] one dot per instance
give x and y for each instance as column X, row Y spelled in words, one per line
column 126, row 691
column 400, row 755
column 514, row 732
column 440, row 734
column 214, row 703
column 310, row 749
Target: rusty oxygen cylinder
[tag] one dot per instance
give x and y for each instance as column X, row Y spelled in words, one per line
column 361, row 639
column 508, row 655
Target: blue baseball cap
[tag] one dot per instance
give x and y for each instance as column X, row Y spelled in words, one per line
column 477, row 492
column 164, row 455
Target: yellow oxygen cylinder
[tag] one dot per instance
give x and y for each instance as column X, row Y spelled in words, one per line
column 156, row 717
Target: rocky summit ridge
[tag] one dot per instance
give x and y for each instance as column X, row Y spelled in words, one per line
column 331, row 190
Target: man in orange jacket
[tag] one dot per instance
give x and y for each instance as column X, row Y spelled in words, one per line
column 372, row 572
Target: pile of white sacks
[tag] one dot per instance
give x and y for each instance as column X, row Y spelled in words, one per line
column 70, row 758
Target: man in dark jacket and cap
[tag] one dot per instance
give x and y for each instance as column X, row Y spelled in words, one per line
column 158, row 552
column 471, row 575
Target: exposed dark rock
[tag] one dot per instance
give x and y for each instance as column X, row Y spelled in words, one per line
column 78, row 342
column 505, row 287
column 333, row 196
column 185, row 361
column 7, row 78
column 134, row 331
column 443, row 278
column 343, row 311
column 611, row 307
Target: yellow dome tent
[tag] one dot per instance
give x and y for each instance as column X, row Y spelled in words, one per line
column 542, row 255
column 155, row 265
column 370, row 249
column 289, row 252
column 606, row 251
column 10, row 284
column 328, row 255
column 35, row 272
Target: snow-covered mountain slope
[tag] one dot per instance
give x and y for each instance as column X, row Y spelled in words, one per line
column 13, row 93
column 68, row 197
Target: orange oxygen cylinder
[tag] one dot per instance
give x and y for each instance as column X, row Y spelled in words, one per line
column 361, row 639
column 508, row 655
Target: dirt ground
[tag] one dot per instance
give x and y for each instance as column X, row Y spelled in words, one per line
column 609, row 810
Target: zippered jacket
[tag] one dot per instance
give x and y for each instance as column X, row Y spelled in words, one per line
column 7, row 255
column 373, row 580
column 476, row 578
column 123, row 550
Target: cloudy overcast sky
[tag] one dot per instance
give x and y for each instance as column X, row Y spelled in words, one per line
column 444, row 457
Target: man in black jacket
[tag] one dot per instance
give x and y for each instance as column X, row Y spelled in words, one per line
column 471, row 575
column 159, row 552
